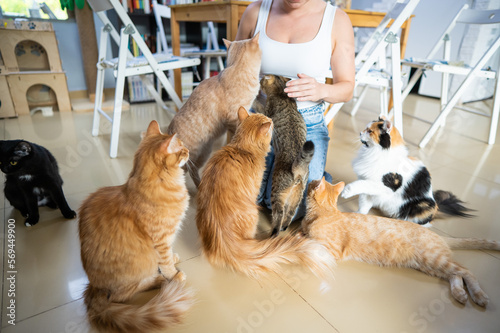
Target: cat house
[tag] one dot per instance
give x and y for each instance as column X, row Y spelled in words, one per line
column 30, row 58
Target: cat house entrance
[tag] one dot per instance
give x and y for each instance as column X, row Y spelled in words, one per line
column 40, row 96
column 31, row 56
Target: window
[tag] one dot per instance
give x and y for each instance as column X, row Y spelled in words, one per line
column 39, row 9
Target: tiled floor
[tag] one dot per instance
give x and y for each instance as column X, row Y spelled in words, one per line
column 362, row 298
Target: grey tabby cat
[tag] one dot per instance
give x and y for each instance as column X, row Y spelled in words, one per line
column 292, row 152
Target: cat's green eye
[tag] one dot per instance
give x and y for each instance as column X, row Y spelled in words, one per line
column 13, row 162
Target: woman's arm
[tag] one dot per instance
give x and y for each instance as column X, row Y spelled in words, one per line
column 248, row 21
column 307, row 88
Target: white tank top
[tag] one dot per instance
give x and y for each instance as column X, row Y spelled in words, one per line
column 311, row 58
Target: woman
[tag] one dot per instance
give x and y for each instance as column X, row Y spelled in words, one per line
column 303, row 40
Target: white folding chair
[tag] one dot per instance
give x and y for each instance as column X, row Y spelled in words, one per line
column 464, row 16
column 126, row 65
column 370, row 63
column 211, row 50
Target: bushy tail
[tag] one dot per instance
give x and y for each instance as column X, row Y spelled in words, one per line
column 255, row 258
column 449, row 204
column 305, row 156
column 164, row 310
column 472, row 244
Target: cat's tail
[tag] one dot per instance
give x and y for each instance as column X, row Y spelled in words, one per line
column 256, row 258
column 449, row 204
column 472, row 244
column 305, row 156
column 164, row 310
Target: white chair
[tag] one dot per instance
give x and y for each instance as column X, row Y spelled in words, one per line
column 464, row 16
column 370, row 63
column 126, row 65
column 212, row 49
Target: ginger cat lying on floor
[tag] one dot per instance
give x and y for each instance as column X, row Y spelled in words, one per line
column 388, row 242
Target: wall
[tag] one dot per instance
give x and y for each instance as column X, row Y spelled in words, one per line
column 70, row 52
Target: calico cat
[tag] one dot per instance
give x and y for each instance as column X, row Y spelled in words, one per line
column 32, row 179
column 399, row 185
column 126, row 236
column 227, row 213
column 212, row 107
column 388, row 242
column 292, row 152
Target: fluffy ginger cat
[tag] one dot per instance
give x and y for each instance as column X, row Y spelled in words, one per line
column 292, row 152
column 126, row 236
column 388, row 242
column 227, row 214
column 212, row 108
column 399, row 185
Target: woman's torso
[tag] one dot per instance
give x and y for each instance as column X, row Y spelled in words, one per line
column 289, row 59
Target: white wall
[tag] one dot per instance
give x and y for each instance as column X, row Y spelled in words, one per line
column 71, row 53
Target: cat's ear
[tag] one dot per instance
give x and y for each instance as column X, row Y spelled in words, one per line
column 321, row 185
column 153, row 128
column 255, row 39
column 264, row 128
column 339, row 187
column 387, row 126
column 172, row 145
column 226, row 43
column 22, row 149
column 242, row 114
column 269, row 79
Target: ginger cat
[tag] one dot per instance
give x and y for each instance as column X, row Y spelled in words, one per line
column 212, row 108
column 126, row 236
column 227, row 212
column 389, row 242
column 292, row 152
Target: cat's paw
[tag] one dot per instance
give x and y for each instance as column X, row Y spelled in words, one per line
column 480, row 298
column 176, row 258
column 31, row 221
column 70, row 215
column 347, row 192
column 460, row 295
column 180, row 276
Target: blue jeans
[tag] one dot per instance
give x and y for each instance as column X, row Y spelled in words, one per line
column 317, row 132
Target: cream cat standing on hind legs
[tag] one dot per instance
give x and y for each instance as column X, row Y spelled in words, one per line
column 399, row 185
column 213, row 106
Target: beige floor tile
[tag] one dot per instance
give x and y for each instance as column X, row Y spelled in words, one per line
column 367, row 298
column 228, row 302
column 66, row 318
column 49, row 272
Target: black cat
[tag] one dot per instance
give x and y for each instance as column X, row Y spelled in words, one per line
column 32, row 179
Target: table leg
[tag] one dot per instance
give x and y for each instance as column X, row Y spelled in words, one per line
column 176, row 50
column 232, row 22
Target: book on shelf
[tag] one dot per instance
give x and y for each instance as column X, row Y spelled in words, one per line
column 137, row 91
column 138, row 6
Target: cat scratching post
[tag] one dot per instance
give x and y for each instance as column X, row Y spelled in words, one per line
column 88, row 41
column 30, row 56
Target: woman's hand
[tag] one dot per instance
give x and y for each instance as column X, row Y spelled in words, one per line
column 305, row 88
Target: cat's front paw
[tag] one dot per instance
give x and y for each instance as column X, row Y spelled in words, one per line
column 176, row 258
column 70, row 215
column 180, row 276
column 347, row 192
column 31, row 220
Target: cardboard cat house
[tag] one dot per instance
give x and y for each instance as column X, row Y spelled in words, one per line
column 30, row 57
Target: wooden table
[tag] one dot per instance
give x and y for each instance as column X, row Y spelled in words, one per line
column 220, row 11
column 230, row 12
